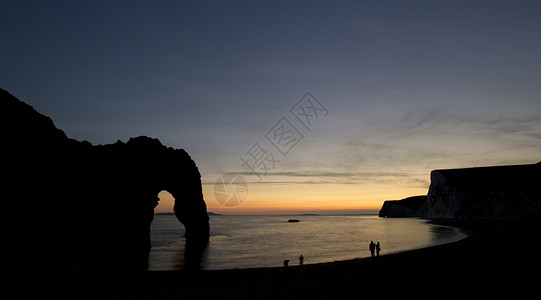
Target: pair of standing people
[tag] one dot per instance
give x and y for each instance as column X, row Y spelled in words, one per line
column 374, row 248
column 301, row 261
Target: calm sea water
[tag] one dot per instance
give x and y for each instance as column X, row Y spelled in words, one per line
column 265, row 241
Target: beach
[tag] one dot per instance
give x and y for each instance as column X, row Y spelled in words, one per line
column 498, row 258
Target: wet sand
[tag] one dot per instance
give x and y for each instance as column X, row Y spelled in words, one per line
column 497, row 259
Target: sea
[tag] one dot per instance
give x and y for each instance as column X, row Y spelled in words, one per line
column 250, row 241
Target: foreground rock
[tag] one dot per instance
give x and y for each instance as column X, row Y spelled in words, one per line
column 501, row 192
column 71, row 205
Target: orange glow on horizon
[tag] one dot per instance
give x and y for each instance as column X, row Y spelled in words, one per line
column 277, row 198
column 299, row 198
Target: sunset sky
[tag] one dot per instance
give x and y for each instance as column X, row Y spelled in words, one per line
column 395, row 88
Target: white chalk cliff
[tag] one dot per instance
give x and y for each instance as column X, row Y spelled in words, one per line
column 500, row 192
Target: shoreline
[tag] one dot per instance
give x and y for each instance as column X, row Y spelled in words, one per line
column 463, row 231
column 449, row 235
column 492, row 261
column 438, row 222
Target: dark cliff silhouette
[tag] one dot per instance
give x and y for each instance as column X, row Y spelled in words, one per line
column 69, row 205
column 500, row 192
column 407, row 207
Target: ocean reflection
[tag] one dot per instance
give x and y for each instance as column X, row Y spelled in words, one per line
column 191, row 257
column 266, row 241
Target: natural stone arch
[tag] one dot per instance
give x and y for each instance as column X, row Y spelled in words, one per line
column 88, row 207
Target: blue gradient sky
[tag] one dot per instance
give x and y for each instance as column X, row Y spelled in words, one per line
column 410, row 86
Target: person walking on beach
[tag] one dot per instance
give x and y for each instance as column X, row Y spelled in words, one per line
column 301, row 259
column 378, row 249
column 372, row 248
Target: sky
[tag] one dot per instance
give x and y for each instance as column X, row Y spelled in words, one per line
column 289, row 106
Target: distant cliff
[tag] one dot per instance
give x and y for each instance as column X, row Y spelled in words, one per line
column 500, row 192
column 71, row 205
column 409, row 207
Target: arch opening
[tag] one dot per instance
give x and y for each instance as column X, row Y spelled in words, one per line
column 166, row 236
column 165, row 204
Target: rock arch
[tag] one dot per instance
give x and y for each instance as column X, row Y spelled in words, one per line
column 88, row 207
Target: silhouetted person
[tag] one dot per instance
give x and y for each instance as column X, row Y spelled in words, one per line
column 301, row 259
column 378, row 249
column 286, row 262
column 372, row 248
